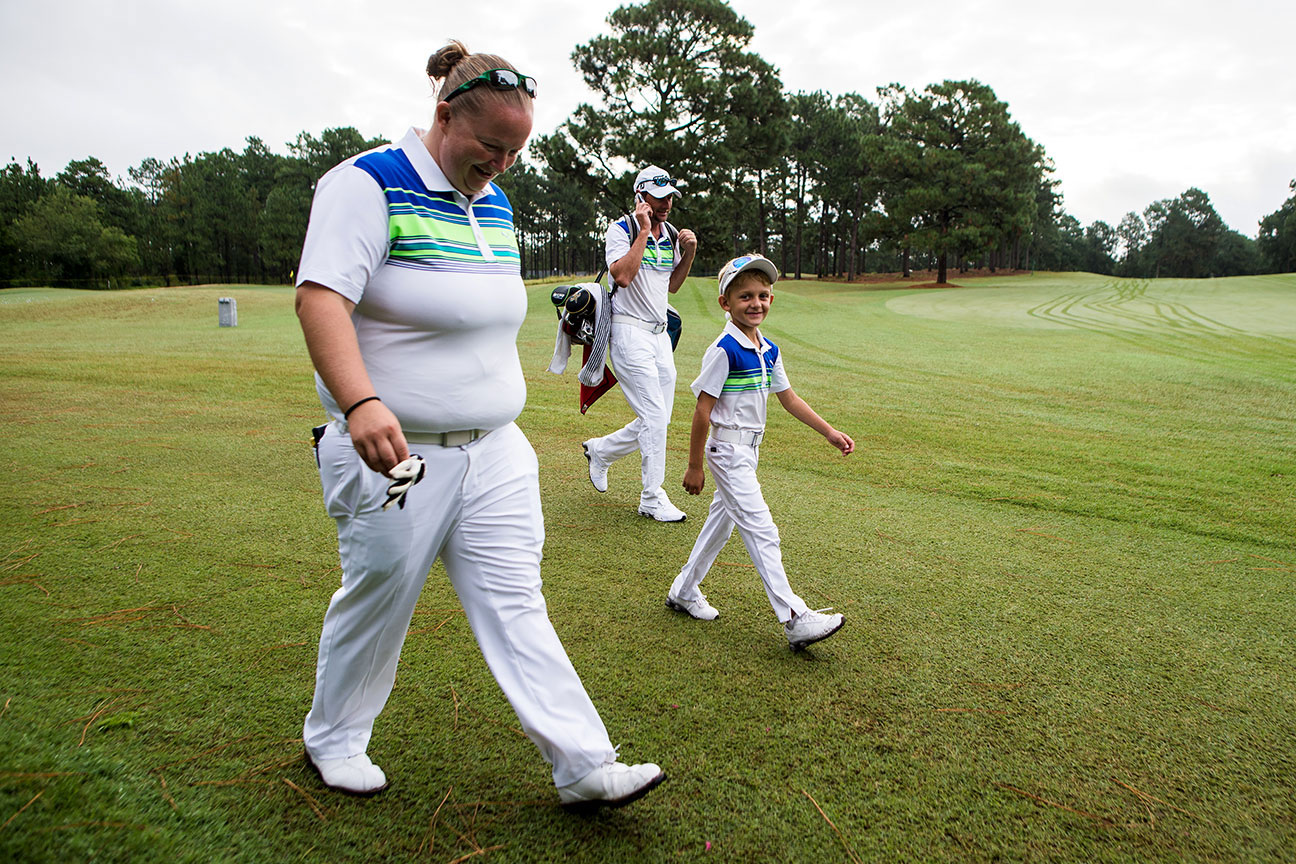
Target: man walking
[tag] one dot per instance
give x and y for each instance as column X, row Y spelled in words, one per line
column 648, row 260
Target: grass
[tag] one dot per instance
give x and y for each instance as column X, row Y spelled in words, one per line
column 1064, row 548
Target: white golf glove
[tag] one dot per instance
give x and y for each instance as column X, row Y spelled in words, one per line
column 404, row 476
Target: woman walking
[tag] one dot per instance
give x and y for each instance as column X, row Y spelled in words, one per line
column 410, row 297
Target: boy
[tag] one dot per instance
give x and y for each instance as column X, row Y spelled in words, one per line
column 739, row 371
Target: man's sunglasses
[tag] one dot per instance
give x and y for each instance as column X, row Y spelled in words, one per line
column 659, row 180
column 499, row 79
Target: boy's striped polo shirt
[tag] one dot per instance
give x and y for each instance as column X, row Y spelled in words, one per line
column 741, row 375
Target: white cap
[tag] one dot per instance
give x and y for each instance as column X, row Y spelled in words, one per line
column 647, row 183
column 747, row 262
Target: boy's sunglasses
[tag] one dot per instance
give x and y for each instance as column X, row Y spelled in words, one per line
column 499, row 79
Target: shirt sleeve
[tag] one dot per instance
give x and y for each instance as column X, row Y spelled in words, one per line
column 616, row 243
column 778, row 378
column 347, row 237
column 715, row 371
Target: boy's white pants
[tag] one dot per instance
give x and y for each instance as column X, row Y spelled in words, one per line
column 478, row 509
column 738, row 502
column 645, row 369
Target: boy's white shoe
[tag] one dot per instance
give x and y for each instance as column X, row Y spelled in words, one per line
column 612, row 784
column 597, row 468
column 355, row 775
column 699, row 608
column 811, row 626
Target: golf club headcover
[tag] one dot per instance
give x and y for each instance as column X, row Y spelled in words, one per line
column 404, row 476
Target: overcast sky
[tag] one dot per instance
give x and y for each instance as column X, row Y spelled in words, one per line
column 1135, row 100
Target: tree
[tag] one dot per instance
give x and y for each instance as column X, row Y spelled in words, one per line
column 20, row 188
column 805, row 112
column 1132, row 234
column 331, row 147
column 1277, row 239
column 1236, row 255
column 968, row 178
column 1043, row 239
column 89, row 178
column 678, row 88
column 667, row 76
column 846, row 150
column 555, row 207
column 157, row 235
column 283, row 228
column 1069, row 253
column 1099, row 243
column 1183, row 235
column 64, row 236
column 218, row 212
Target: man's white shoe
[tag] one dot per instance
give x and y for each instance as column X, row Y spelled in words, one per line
column 613, row 784
column 597, row 468
column 699, row 608
column 811, row 626
column 662, row 511
column 355, row 775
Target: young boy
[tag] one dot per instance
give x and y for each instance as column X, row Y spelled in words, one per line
column 739, row 371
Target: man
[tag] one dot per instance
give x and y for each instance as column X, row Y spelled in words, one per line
column 647, row 261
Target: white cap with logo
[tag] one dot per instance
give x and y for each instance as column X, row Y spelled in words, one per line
column 747, row 262
column 656, row 182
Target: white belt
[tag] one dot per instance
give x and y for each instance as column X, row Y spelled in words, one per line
column 651, row 327
column 736, row 436
column 446, row 439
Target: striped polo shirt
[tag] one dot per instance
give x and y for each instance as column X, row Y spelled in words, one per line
column 437, row 284
column 432, row 230
column 741, row 375
column 646, row 295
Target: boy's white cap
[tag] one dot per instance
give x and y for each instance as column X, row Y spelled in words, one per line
column 747, row 262
column 646, row 184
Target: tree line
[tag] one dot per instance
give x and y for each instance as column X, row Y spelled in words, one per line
column 828, row 184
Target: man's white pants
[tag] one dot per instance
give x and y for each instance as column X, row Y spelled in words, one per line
column 738, row 502
column 645, row 369
column 478, row 509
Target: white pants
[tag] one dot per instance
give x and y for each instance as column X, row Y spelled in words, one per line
column 478, row 509
column 645, row 369
column 738, row 502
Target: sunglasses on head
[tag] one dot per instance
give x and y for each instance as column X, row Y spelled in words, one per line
column 498, row 79
column 659, row 180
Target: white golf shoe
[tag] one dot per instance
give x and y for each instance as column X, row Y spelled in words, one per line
column 597, row 468
column 354, row 775
column 699, row 608
column 662, row 510
column 613, row 784
column 811, row 626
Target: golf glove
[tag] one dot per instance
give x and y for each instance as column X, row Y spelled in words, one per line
column 404, row 476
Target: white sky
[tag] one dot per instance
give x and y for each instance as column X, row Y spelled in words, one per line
column 1135, row 100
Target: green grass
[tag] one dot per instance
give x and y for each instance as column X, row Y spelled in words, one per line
column 1064, row 548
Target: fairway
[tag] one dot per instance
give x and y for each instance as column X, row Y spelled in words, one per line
column 1064, row 547
column 1162, row 308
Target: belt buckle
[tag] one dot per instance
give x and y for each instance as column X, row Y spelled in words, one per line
column 458, row 438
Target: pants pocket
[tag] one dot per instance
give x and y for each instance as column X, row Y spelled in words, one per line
column 346, row 480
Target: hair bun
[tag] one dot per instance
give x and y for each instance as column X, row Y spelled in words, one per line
column 445, row 59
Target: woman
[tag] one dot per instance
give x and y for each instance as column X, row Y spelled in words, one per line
column 410, row 298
